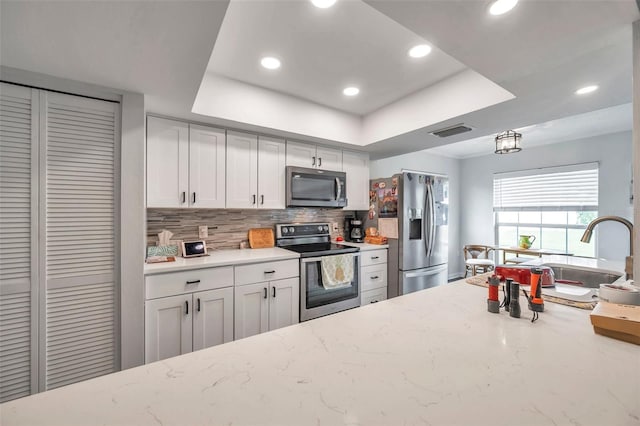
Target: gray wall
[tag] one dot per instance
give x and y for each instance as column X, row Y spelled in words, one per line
column 612, row 152
column 422, row 161
column 471, row 210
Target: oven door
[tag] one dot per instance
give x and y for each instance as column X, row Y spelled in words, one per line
column 316, row 300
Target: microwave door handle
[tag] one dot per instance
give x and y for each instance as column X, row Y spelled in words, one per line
column 338, row 189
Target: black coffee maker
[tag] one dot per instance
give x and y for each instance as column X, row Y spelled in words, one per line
column 353, row 230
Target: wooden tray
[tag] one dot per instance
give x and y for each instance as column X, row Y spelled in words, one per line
column 261, row 238
column 620, row 322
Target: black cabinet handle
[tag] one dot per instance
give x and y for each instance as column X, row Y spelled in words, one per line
column 319, row 161
column 194, row 198
column 314, row 161
column 184, row 197
column 193, row 282
column 186, row 304
column 273, row 293
column 254, row 199
column 375, row 277
column 262, row 199
column 265, row 292
column 375, row 257
column 269, row 272
column 198, row 304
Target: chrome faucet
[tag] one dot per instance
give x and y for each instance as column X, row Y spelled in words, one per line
column 586, row 237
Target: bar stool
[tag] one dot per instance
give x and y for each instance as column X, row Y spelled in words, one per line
column 476, row 259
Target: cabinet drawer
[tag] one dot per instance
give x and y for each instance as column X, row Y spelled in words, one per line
column 374, row 276
column 267, row 271
column 172, row 283
column 373, row 296
column 373, row 257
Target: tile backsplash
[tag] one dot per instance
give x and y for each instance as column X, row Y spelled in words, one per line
column 229, row 227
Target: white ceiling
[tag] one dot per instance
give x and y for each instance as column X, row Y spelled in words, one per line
column 595, row 123
column 325, row 50
column 540, row 52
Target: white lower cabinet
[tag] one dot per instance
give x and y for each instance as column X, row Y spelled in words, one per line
column 168, row 327
column 189, row 322
column 373, row 276
column 269, row 303
column 187, row 311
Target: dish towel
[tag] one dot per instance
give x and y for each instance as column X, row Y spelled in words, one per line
column 337, row 271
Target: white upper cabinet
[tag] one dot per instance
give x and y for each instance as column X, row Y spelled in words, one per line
column 207, row 169
column 356, row 166
column 301, row 155
column 307, row 155
column 185, row 165
column 242, row 170
column 167, row 163
column 329, row 158
column 271, row 173
column 255, row 171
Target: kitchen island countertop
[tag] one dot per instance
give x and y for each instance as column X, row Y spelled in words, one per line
column 432, row 357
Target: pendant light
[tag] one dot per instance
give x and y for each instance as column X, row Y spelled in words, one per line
column 508, row 142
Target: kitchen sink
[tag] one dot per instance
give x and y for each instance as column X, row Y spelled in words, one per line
column 588, row 278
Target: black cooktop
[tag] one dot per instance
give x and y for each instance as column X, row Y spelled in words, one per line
column 320, row 249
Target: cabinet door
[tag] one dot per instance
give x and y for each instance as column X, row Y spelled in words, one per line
column 329, row 159
column 242, row 170
column 284, row 302
column 271, row 173
column 212, row 317
column 356, row 165
column 167, row 163
column 301, row 155
column 168, row 327
column 251, row 309
column 206, row 167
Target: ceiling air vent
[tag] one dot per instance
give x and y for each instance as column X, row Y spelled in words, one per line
column 451, row 131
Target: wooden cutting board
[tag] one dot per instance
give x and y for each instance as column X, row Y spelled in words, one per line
column 261, row 238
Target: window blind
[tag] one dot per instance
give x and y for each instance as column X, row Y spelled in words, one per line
column 572, row 187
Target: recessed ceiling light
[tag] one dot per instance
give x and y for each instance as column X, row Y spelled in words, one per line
column 420, row 51
column 270, row 63
column 586, row 89
column 499, row 7
column 351, row 91
column 323, row 4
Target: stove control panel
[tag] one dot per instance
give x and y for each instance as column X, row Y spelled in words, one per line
column 293, row 230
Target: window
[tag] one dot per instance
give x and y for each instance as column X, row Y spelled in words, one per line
column 553, row 204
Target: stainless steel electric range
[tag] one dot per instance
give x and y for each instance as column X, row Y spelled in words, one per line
column 313, row 242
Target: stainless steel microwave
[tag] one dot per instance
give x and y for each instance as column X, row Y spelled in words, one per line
column 316, row 188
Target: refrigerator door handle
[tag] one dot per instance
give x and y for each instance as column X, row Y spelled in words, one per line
column 434, row 271
column 426, row 218
column 432, row 218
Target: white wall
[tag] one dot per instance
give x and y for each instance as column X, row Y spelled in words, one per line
column 422, row 161
column 612, row 152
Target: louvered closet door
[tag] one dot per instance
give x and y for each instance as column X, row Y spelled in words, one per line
column 18, row 240
column 81, row 252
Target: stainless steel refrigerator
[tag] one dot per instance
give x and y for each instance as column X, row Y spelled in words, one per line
column 419, row 202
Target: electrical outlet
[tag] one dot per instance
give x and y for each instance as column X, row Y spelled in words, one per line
column 203, row 232
column 334, row 226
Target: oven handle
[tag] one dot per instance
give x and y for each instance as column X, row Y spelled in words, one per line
column 317, row 259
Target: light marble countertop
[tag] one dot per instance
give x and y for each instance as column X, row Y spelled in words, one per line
column 221, row 258
column 432, row 357
column 363, row 246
